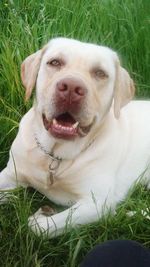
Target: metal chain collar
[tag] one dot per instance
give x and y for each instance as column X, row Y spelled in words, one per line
column 55, row 161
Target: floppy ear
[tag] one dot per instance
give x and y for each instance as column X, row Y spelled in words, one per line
column 29, row 72
column 124, row 90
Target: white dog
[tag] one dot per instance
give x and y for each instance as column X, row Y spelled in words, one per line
column 76, row 145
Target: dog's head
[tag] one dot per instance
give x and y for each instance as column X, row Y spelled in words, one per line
column 76, row 84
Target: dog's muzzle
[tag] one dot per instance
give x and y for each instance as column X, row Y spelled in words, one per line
column 69, row 96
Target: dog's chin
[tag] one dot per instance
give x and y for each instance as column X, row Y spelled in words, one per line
column 65, row 126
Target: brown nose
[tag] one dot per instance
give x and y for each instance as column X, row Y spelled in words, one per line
column 71, row 90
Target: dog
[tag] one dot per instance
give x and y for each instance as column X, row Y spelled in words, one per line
column 84, row 143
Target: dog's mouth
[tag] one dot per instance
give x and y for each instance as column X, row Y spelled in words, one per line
column 65, row 126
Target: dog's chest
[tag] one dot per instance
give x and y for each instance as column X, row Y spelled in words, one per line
column 58, row 185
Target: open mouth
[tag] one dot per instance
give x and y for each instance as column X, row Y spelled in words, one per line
column 65, row 126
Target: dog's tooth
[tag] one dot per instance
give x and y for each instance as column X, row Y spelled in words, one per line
column 75, row 125
column 54, row 121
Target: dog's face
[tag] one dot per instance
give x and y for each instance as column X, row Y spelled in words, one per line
column 76, row 83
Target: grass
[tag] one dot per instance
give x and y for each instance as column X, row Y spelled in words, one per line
column 25, row 26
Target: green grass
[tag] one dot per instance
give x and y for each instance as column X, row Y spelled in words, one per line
column 26, row 25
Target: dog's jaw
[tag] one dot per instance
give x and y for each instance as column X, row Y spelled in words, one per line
column 65, row 127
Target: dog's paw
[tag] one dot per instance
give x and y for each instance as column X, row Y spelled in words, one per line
column 38, row 224
column 41, row 223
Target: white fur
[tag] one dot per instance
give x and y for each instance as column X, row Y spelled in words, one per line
column 91, row 178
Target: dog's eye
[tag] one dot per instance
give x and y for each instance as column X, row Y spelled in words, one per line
column 54, row 63
column 100, row 74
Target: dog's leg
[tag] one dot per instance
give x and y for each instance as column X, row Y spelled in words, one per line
column 7, row 183
column 82, row 212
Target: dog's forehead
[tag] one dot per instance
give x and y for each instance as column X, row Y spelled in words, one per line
column 71, row 48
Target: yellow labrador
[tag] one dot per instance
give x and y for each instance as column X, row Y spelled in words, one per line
column 77, row 145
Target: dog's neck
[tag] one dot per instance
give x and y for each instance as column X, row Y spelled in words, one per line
column 58, row 147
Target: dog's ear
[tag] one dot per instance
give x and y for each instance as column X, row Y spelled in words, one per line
column 29, row 71
column 124, row 89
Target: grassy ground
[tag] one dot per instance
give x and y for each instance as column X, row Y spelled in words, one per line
column 25, row 26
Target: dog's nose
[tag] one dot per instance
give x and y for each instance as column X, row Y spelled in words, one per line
column 71, row 90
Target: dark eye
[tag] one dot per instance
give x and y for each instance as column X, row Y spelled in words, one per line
column 54, row 62
column 100, row 74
